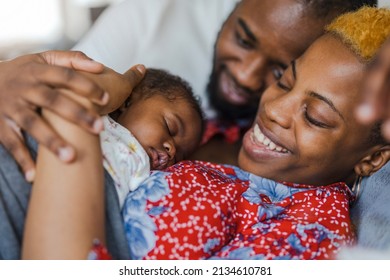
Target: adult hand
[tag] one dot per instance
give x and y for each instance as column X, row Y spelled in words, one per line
column 31, row 82
column 376, row 92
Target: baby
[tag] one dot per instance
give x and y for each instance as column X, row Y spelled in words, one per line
column 160, row 124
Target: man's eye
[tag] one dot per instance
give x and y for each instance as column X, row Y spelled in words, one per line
column 277, row 73
column 242, row 42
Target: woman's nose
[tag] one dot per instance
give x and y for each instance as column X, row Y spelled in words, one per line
column 280, row 110
column 170, row 149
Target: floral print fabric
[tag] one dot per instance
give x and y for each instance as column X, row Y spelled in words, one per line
column 198, row 210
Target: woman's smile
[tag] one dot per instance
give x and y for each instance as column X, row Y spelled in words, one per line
column 258, row 137
column 260, row 144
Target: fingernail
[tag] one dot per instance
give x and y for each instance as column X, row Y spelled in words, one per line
column 30, row 175
column 105, row 98
column 140, row 68
column 65, row 153
column 98, row 125
column 365, row 113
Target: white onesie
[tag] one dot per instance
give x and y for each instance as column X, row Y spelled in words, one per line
column 123, row 158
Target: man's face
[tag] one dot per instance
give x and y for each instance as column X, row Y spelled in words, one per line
column 254, row 46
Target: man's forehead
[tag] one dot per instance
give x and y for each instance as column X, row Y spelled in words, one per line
column 281, row 23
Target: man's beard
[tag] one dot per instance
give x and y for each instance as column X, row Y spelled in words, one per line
column 226, row 110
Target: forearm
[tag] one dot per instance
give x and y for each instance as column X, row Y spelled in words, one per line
column 66, row 210
column 115, row 84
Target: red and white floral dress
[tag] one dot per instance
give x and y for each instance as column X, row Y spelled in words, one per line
column 199, row 210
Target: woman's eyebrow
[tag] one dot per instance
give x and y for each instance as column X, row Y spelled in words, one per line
column 294, row 69
column 246, row 29
column 327, row 101
column 315, row 94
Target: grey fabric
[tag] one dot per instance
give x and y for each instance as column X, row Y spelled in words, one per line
column 371, row 213
column 14, row 196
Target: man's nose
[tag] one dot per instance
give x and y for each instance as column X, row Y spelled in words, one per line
column 250, row 73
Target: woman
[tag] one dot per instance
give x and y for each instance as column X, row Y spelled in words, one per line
column 304, row 133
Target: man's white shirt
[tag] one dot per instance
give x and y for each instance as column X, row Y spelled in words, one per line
column 176, row 35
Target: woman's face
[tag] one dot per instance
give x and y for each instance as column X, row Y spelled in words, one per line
column 305, row 130
column 255, row 45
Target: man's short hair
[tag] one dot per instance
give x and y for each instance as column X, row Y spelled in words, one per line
column 332, row 8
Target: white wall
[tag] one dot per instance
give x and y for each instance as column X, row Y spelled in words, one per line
column 34, row 25
column 384, row 3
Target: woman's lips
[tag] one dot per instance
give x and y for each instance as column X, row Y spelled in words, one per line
column 231, row 92
column 158, row 160
column 258, row 146
column 259, row 138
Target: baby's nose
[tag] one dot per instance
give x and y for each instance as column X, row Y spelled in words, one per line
column 170, row 149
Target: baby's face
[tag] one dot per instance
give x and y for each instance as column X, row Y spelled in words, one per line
column 169, row 131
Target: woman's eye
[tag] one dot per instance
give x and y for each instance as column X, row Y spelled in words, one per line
column 282, row 86
column 314, row 121
column 242, row 42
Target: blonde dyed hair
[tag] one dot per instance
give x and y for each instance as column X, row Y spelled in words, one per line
column 364, row 30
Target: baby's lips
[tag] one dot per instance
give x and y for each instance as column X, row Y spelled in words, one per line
column 153, row 158
column 162, row 160
column 159, row 160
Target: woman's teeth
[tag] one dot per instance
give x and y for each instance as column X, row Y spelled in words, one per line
column 261, row 138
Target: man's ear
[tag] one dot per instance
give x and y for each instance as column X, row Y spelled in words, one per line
column 373, row 162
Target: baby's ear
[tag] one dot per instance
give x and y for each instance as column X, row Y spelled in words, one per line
column 373, row 162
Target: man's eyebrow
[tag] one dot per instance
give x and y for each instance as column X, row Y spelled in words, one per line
column 246, row 29
column 327, row 101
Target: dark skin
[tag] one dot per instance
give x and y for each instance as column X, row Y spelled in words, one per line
column 376, row 92
column 38, row 81
column 318, row 141
column 255, row 45
column 305, row 130
column 168, row 130
column 34, row 81
column 85, row 188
